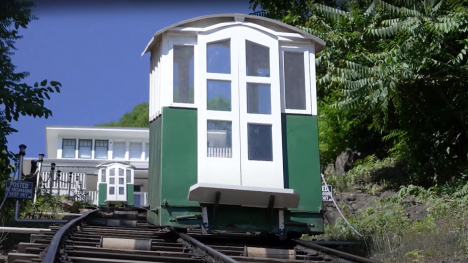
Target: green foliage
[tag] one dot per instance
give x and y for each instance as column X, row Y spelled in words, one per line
column 396, row 71
column 391, row 236
column 138, row 117
column 371, row 174
column 16, row 97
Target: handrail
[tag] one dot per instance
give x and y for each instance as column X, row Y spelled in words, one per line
column 60, row 235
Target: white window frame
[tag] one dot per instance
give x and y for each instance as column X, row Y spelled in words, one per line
column 309, row 66
column 179, row 40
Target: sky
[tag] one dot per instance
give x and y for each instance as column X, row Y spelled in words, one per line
column 93, row 48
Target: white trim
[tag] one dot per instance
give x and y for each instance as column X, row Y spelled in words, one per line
column 215, row 27
column 313, row 81
column 211, row 168
column 238, row 170
column 165, row 81
column 183, row 105
column 76, row 128
column 205, row 193
column 157, row 35
column 251, row 169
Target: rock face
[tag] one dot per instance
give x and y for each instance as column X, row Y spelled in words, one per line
column 69, row 205
column 353, row 202
column 344, row 162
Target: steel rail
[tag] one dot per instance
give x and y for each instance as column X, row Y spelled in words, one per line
column 204, row 247
column 60, row 235
column 334, row 251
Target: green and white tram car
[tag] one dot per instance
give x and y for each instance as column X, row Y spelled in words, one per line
column 115, row 184
column 233, row 126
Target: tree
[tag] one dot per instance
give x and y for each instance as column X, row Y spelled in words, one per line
column 399, row 68
column 138, row 117
column 16, row 97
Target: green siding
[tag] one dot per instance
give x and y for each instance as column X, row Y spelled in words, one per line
column 302, row 161
column 154, row 174
column 173, row 169
column 102, row 194
column 179, row 155
column 173, row 166
column 130, row 196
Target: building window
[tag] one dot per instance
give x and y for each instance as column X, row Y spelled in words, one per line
column 119, row 150
column 183, row 74
column 135, row 150
column 100, row 149
column 68, row 148
column 84, row 150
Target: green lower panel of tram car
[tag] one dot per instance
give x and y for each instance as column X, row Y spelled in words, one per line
column 173, row 165
column 173, row 170
column 102, row 194
column 130, row 195
column 301, row 160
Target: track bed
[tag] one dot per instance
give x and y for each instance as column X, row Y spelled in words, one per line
column 125, row 236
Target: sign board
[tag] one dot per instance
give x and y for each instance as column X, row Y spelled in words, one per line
column 19, row 189
column 327, row 193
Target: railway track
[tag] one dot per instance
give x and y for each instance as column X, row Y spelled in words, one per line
column 125, row 236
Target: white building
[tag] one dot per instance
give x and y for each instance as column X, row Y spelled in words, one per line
column 82, row 150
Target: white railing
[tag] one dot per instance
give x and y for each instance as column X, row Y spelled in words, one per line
column 219, row 152
column 92, row 197
column 64, row 179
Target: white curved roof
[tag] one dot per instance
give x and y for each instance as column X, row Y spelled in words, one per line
column 267, row 22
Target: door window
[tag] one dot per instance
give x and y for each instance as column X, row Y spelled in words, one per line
column 112, row 181
column 218, row 57
column 218, row 95
column 219, row 139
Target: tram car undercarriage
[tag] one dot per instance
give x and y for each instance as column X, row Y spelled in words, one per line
column 233, row 127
